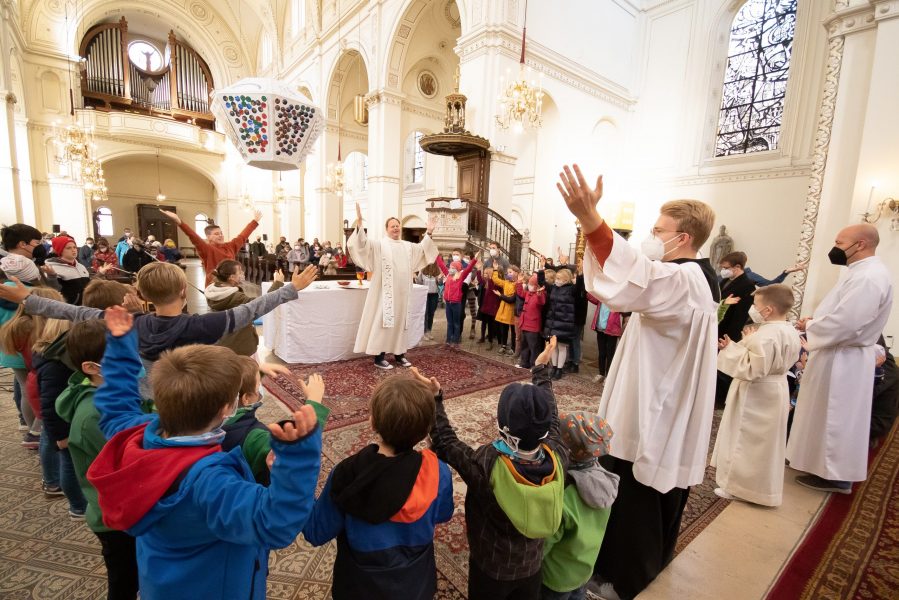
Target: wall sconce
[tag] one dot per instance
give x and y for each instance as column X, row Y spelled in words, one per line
column 887, row 205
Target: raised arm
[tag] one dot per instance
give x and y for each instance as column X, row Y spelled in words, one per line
column 118, row 398
column 244, row 235
column 54, row 309
column 441, row 265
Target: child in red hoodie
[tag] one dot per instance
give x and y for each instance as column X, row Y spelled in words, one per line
column 452, row 296
column 531, row 324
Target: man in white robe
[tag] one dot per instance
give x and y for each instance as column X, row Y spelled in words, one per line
column 659, row 393
column 829, row 438
column 392, row 263
column 749, row 450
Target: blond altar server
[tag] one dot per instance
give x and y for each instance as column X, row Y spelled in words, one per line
column 660, row 390
column 392, row 263
column 829, row 438
column 752, row 437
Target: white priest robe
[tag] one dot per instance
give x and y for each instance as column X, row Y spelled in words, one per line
column 829, row 437
column 752, row 437
column 659, row 395
column 386, row 313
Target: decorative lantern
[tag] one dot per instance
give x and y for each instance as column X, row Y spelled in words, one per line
column 271, row 125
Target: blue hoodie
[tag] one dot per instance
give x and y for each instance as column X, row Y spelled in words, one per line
column 209, row 534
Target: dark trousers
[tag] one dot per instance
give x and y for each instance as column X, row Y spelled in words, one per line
column 453, row 322
column 722, row 385
column 641, row 533
column 430, row 309
column 531, row 347
column 605, row 346
column 502, row 334
column 120, row 557
column 483, row 587
column 512, row 335
column 488, row 327
column 465, row 288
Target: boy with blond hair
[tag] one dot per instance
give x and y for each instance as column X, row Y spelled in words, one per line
column 751, row 443
column 383, row 503
column 204, row 527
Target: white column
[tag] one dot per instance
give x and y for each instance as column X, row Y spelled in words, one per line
column 385, row 157
column 331, row 215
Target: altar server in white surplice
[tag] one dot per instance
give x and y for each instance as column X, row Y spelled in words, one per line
column 659, row 393
column 392, row 263
column 829, row 438
column 752, row 437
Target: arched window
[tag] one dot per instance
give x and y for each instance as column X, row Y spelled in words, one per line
column 104, row 222
column 415, row 158
column 755, row 82
column 201, row 221
column 145, row 55
column 297, row 16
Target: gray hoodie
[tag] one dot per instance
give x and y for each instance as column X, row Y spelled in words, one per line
column 596, row 486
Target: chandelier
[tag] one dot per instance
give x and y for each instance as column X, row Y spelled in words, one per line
column 93, row 181
column 73, row 142
column 521, row 102
column 336, row 178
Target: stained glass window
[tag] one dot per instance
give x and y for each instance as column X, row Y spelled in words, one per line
column 418, row 164
column 755, row 82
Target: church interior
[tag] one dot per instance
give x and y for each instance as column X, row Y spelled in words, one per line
column 778, row 114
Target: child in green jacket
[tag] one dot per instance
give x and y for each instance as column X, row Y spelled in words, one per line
column 86, row 344
column 570, row 554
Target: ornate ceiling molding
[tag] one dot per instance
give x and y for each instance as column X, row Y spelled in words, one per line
column 846, row 21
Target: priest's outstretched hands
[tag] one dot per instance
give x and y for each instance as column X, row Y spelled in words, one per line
column 432, row 223
column 358, row 222
column 580, row 198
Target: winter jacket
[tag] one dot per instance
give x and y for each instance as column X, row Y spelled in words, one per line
column 298, row 257
column 521, row 291
column 532, row 313
column 570, row 554
column 506, row 311
column 245, row 340
column 72, row 278
column 212, row 254
column 106, row 258
column 121, row 248
column 204, row 527
column 489, row 302
column 614, row 321
column 580, row 303
column 498, row 545
column 171, row 254
column 85, row 256
column 427, row 280
column 53, row 375
column 158, row 334
column 136, row 259
column 560, row 315
column 452, row 287
column 7, row 312
column 245, row 431
column 383, row 511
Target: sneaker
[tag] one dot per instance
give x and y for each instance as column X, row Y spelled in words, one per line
column 403, row 362
column 824, row 485
column 31, row 441
column 556, row 374
column 519, row 366
column 23, row 427
column 51, row 490
column 602, row 589
column 75, row 515
column 383, row 364
column 722, row 494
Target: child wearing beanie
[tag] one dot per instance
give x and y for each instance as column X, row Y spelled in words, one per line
column 515, row 487
column 531, row 323
column 570, row 554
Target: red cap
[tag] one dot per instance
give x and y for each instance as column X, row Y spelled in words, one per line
column 533, row 280
column 59, row 243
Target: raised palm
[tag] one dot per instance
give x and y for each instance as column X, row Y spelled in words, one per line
column 580, row 198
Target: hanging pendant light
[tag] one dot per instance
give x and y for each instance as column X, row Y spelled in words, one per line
column 521, row 102
column 160, row 197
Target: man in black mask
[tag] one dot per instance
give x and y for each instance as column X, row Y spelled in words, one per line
column 23, row 243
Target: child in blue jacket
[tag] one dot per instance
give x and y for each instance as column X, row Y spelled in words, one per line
column 203, row 526
column 383, row 503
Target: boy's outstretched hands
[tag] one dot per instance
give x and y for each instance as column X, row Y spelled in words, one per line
column 314, row 388
column 16, row 293
column 580, row 198
column 431, row 382
column 304, row 422
column 273, row 370
column 118, row 320
column 547, row 353
column 301, row 281
column 172, row 216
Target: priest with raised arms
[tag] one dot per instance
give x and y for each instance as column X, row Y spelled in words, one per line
column 660, row 391
column 829, row 438
column 392, row 263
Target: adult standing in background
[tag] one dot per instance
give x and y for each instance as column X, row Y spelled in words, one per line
column 392, row 263
column 86, row 253
column 214, row 249
column 832, row 421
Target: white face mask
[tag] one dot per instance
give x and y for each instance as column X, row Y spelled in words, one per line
column 494, row 252
column 654, row 249
column 559, row 283
column 260, row 393
column 755, row 315
column 532, row 288
column 726, row 273
column 453, row 271
column 457, row 258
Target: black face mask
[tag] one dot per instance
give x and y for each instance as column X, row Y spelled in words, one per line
column 838, row 256
column 39, row 254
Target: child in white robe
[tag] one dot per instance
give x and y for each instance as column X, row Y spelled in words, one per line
column 749, row 450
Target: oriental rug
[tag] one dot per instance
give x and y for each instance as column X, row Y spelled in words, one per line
column 852, row 550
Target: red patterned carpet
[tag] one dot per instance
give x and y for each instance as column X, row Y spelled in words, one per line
column 852, row 550
column 472, row 385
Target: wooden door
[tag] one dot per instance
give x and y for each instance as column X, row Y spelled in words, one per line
column 151, row 222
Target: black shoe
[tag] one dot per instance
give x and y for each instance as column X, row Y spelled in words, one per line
column 556, row 374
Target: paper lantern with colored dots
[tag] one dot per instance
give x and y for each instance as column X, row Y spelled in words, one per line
column 271, row 125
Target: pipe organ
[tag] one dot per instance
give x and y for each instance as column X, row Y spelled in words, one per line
column 180, row 88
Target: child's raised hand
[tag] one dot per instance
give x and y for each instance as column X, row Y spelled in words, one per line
column 547, row 353
column 132, row 303
column 304, row 422
column 273, row 370
column 723, row 342
column 15, row 294
column 314, row 388
column 278, row 276
column 301, row 281
column 118, row 320
column 431, row 382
